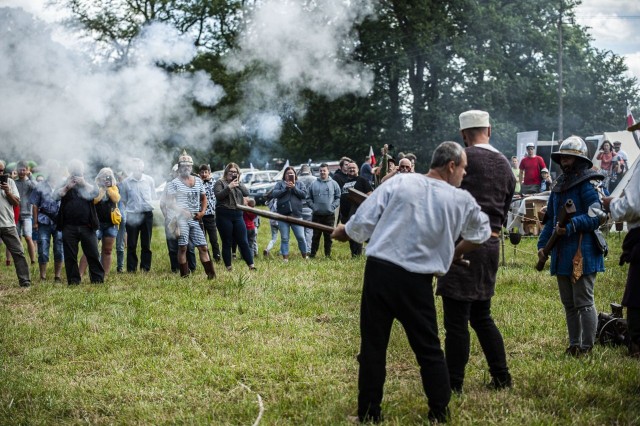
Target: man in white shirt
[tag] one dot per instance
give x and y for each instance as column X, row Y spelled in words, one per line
column 10, row 197
column 411, row 222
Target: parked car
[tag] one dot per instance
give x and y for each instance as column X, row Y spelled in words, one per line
column 315, row 167
column 254, row 177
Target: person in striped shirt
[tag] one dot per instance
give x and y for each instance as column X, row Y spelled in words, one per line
column 187, row 200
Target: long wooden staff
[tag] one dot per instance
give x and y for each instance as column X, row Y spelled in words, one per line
column 294, row 220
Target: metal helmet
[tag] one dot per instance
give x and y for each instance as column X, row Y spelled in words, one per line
column 185, row 159
column 573, row 146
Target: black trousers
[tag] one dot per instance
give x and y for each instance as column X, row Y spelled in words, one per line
column 172, row 248
column 210, row 229
column 139, row 225
column 72, row 235
column 325, row 219
column 389, row 293
column 457, row 317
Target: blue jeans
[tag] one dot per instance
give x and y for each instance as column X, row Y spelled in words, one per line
column 298, row 232
column 46, row 232
column 307, row 214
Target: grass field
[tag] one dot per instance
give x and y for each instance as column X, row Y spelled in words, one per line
column 280, row 344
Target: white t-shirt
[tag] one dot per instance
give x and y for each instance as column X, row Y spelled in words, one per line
column 7, row 218
column 413, row 221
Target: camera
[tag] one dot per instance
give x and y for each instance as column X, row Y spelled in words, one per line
column 4, row 178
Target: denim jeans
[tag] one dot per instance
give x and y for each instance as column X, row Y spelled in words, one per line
column 275, row 230
column 298, row 232
column 307, row 214
column 122, row 230
column 579, row 308
column 457, row 317
column 46, row 232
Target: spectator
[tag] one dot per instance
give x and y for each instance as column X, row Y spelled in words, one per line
column 340, row 175
column 404, row 166
column 138, row 192
column 172, row 229
column 307, row 179
column 250, row 223
column 105, row 203
column 608, row 163
column 78, row 222
column 25, row 223
column 290, row 194
column 9, row 197
column 516, row 172
column 324, row 199
column 623, row 157
column 45, row 213
column 188, row 201
column 122, row 229
column 366, row 170
column 209, row 218
column 272, row 203
column 545, row 184
column 346, row 208
column 530, row 167
column 229, row 193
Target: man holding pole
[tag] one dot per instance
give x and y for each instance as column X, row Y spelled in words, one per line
column 412, row 222
column 466, row 291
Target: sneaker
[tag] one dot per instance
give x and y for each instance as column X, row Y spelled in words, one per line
column 573, row 351
column 57, row 280
column 265, row 253
column 25, row 284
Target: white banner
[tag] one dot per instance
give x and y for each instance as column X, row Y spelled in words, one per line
column 523, row 139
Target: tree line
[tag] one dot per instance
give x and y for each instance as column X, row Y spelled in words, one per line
column 430, row 61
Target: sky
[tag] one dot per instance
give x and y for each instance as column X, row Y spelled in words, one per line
column 615, row 26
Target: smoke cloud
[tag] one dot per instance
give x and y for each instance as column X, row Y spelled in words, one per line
column 58, row 102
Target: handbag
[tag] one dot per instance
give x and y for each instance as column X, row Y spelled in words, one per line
column 116, row 216
column 601, row 242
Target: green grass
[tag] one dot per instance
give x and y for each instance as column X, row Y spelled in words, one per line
column 156, row 349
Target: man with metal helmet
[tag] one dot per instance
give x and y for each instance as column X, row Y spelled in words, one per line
column 576, row 258
column 188, row 201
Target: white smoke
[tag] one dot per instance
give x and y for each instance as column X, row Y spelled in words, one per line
column 300, row 46
column 58, row 103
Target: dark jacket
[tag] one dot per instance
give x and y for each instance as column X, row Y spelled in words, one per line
column 295, row 196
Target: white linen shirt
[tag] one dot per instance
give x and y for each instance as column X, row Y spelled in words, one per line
column 627, row 208
column 413, row 221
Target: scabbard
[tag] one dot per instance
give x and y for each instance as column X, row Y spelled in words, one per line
column 294, row 220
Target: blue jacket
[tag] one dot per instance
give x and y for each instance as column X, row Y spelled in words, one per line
column 296, row 196
column 583, row 195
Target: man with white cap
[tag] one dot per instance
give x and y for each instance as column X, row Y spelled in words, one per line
column 466, row 291
column 627, row 208
column 531, row 165
column 545, row 180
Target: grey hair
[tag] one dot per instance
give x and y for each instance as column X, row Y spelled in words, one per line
column 445, row 152
column 3, row 163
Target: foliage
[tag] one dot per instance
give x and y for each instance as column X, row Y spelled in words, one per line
column 156, row 349
column 431, row 60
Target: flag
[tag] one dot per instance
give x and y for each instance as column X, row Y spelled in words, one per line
column 631, row 122
column 286, row 164
column 251, row 166
column 373, row 157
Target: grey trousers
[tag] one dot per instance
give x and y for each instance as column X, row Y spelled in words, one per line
column 579, row 308
column 14, row 245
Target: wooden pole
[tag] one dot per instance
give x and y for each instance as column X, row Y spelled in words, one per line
column 294, row 220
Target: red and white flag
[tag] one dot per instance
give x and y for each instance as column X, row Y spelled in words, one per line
column 373, row 157
column 631, row 122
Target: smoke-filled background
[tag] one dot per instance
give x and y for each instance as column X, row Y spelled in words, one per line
column 62, row 101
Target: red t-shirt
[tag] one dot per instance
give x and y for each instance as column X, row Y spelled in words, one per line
column 532, row 167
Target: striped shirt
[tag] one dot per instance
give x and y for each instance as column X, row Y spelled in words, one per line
column 187, row 197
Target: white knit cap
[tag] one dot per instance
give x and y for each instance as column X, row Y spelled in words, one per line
column 474, row 118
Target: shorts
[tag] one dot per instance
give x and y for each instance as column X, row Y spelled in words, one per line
column 25, row 227
column 190, row 231
column 107, row 230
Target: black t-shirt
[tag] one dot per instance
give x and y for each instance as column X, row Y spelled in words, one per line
column 357, row 182
column 76, row 209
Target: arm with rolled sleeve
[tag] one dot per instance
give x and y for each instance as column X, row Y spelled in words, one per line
column 627, row 208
